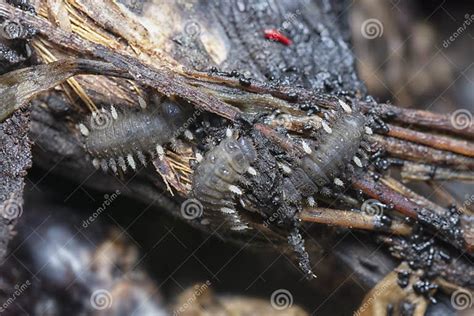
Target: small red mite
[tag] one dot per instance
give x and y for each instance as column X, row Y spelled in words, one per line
column 275, row 35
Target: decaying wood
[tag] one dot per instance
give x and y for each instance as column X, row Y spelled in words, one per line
column 237, row 99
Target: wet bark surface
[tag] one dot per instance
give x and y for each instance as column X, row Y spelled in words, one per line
column 15, row 160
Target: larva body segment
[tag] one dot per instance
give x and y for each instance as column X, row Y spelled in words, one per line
column 217, row 178
column 115, row 138
column 335, row 150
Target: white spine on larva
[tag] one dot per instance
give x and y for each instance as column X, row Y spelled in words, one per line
column 239, row 227
column 142, row 102
column 368, row 130
column 338, row 182
column 227, row 210
column 131, row 161
column 160, row 151
column 114, row 112
column 113, row 165
column 286, row 169
column 199, row 157
column 121, row 162
column 96, row 163
column 252, row 171
column 188, row 134
column 84, row 130
column 235, row 189
column 345, row 106
column 306, row 148
column 326, row 127
column 141, row 157
column 357, row 161
column 228, row 133
column 311, row 201
column 104, row 165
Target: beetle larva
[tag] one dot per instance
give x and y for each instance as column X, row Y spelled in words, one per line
column 115, row 138
column 216, row 179
column 337, row 147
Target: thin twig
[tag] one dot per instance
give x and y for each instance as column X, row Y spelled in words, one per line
column 349, row 219
column 462, row 147
column 411, row 151
column 432, row 121
column 423, row 172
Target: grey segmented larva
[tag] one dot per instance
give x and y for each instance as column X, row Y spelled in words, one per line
column 216, row 179
column 115, row 138
column 339, row 145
